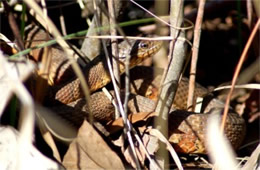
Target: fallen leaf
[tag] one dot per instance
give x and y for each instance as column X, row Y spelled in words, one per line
column 90, row 151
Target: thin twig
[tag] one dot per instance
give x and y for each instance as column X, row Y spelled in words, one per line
column 195, row 53
column 249, row 11
column 158, row 18
column 238, row 68
column 174, row 67
column 62, row 21
column 128, row 125
column 172, row 73
column 64, row 4
column 13, row 25
column 153, row 163
column 136, row 38
column 114, row 45
column 127, row 82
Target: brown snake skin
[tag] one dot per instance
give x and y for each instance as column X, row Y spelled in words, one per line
column 96, row 72
column 187, row 129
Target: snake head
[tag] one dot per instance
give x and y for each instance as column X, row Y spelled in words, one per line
column 144, row 49
column 138, row 50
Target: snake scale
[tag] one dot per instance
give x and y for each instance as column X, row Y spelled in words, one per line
column 187, row 129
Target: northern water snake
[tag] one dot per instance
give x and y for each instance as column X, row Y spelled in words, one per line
column 191, row 125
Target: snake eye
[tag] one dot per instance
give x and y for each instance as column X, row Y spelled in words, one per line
column 143, row 45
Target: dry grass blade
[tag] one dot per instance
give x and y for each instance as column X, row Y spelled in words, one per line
column 19, row 70
column 219, row 149
column 249, row 12
column 58, row 127
column 27, row 118
column 11, row 149
column 18, row 88
column 62, row 43
column 242, row 86
column 253, row 161
column 238, row 68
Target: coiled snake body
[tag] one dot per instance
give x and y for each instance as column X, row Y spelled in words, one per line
column 187, row 129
